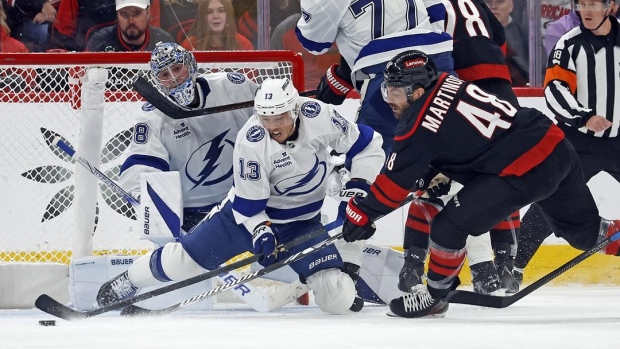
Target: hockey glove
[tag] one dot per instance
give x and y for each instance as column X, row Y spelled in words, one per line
column 354, row 188
column 334, row 86
column 439, row 186
column 358, row 225
column 264, row 243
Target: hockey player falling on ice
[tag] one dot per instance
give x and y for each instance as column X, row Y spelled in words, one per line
column 280, row 172
column 505, row 158
column 200, row 147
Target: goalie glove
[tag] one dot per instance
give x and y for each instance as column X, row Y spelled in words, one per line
column 357, row 226
column 264, row 242
column 334, row 86
column 354, row 188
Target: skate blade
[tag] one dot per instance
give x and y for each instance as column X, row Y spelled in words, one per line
column 390, row 314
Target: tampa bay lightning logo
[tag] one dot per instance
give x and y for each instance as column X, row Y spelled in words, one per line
column 303, row 183
column 310, row 109
column 306, row 15
column 148, row 107
column 205, row 165
column 236, row 78
column 255, row 133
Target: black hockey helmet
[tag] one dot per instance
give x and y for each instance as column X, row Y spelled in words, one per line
column 410, row 68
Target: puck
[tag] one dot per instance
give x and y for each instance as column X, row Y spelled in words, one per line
column 47, row 322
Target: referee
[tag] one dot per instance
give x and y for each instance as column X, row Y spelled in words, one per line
column 582, row 84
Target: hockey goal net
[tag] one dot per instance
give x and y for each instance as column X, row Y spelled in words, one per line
column 40, row 100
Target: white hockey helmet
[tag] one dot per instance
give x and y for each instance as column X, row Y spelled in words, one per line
column 276, row 97
column 164, row 56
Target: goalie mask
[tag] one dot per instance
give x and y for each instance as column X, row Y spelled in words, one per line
column 409, row 69
column 174, row 69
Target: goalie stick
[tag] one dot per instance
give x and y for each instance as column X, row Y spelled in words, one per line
column 134, row 310
column 166, row 106
column 53, row 307
column 472, row 298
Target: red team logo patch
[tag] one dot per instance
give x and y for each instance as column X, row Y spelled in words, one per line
column 417, row 62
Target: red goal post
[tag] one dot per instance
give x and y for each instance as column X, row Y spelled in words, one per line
column 40, row 99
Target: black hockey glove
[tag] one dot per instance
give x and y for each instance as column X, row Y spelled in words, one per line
column 434, row 183
column 334, row 86
column 358, row 225
column 439, row 188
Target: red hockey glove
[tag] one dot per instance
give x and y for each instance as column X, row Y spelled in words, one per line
column 358, row 225
column 333, row 88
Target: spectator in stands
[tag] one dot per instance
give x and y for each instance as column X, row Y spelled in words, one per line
column 278, row 12
column 29, row 21
column 284, row 38
column 214, row 29
column 517, row 40
column 75, row 18
column 7, row 43
column 177, row 17
column 132, row 31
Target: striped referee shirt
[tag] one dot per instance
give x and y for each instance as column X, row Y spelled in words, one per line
column 583, row 78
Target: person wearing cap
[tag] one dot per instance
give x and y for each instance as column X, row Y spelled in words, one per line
column 132, row 31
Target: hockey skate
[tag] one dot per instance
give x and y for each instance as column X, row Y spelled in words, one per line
column 518, row 275
column 485, row 278
column 505, row 266
column 413, row 269
column 418, row 303
column 353, row 271
column 116, row 290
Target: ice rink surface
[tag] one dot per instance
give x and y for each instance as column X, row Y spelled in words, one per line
column 550, row 318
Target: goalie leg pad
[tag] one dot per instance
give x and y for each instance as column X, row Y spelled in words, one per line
column 170, row 262
column 334, row 291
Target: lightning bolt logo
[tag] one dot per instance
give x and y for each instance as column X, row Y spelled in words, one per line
column 304, row 183
column 211, row 161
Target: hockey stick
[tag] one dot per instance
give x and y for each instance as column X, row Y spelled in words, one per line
column 472, row 298
column 134, row 310
column 166, row 106
column 53, row 307
column 95, row 171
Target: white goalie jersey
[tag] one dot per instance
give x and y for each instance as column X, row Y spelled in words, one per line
column 287, row 182
column 200, row 147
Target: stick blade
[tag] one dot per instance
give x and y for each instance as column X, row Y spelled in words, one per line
column 472, row 298
column 134, row 310
column 53, row 307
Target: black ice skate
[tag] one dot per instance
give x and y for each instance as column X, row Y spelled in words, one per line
column 413, row 269
column 353, row 271
column 505, row 265
column 419, row 303
column 116, row 290
column 485, row 278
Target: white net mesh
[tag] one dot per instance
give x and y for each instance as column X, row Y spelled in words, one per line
column 39, row 99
